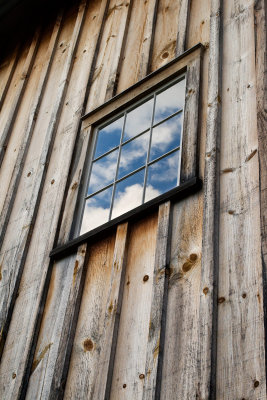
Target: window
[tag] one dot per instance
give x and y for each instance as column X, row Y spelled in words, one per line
column 142, row 149
column 136, row 156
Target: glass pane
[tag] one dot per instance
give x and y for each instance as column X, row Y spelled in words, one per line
column 162, row 176
column 166, row 136
column 138, row 120
column 96, row 210
column 128, row 194
column 169, row 101
column 103, row 172
column 133, row 155
column 108, row 137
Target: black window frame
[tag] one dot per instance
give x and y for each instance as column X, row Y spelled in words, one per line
column 188, row 64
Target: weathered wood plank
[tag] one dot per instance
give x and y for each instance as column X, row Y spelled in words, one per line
column 86, row 351
column 170, row 32
column 189, row 152
column 130, row 359
column 17, row 254
column 57, row 373
column 7, row 69
column 95, row 380
column 183, row 22
column 180, row 361
column 209, row 272
column 261, row 78
column 137, row 48
column 64, row 291
column 240, row 342
column 19, row 94
column 16, row 171
column 182, row 323
column 110, row 53
column 156, row 337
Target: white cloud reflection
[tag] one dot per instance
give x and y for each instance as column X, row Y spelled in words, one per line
column 128, row 199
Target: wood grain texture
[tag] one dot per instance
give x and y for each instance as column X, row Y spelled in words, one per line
column 240, row 342
column 58, row 328
column 31, row 293
column 135, row 60
column 130, row 358
column 181, row 358
column 209, row 273
column 110, row 53
column 260, row 9
column 88, row 350
column 170, row 32
column 189, row 152
column 19, row 94
column 95, row 380
column 154, row 349
column 14, row 171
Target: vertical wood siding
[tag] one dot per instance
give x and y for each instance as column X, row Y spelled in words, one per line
column 134, row 314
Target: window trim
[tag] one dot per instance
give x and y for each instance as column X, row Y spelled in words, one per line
column 189, row 63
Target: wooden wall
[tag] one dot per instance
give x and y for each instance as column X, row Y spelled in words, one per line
column 170, row 306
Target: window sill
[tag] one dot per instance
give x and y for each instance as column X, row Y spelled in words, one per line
column 185, row 189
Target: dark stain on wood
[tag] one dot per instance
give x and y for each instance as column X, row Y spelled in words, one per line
column 88, row 345
column 252, row 154
column 40, row 357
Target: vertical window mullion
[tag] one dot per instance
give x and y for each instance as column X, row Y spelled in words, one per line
column 117, row 169
column 148, row 151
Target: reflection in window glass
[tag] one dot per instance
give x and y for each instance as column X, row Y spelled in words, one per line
column 166, row 136
column 108, row 137
column 128, row 193
column 133, row 155
column 162, row 176
column 96, row 210
column 145, row 138
column 103, row 172
column 169, row 101
column 138, row 120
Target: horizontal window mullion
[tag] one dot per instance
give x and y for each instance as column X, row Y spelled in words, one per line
column 164, row 155
column 106, row 154
column 167, row 118
column 99, row 191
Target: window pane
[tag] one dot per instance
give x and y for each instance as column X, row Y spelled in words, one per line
column 162, row 176
column 108, row 137
column 133, row 155
column 138, row 120
column 128, row 194
column 103, row 172
column 169, row 101
column 166, row 136
column 96, row 210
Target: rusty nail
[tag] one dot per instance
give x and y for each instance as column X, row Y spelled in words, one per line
column 124, row 385
column 141, row 376
column 145, row 278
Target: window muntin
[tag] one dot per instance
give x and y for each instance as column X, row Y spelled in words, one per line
column 136, row 156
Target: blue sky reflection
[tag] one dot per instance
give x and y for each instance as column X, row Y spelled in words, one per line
column 138, row 120
column 96, row 210
column 133, row 155
column 103, row 172
column 166, row 136
column 169, row 101
column 108, row 137
column 162, row 175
